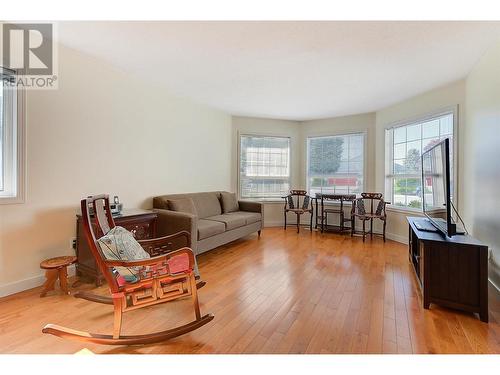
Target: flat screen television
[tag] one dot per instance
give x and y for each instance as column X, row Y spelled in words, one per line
column 436, row 187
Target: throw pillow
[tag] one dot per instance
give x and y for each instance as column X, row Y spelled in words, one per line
column 120, row 244
column 183, row 205
column 229, row 202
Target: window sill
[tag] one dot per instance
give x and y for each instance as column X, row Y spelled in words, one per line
column 405, row 210
column 11, row 200
column 263, row 200
column 281, row 201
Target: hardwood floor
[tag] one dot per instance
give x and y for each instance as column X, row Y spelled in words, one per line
column 282, row 293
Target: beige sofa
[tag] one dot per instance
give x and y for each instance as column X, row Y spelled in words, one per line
column 209, row 221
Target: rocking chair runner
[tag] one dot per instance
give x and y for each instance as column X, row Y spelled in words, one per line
column 162, row 278
column 297, row 207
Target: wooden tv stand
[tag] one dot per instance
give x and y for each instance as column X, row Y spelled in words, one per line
column 451, row 272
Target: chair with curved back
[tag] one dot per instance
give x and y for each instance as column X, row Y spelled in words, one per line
column 165, row 276
column 359, row 211
column 301, row 205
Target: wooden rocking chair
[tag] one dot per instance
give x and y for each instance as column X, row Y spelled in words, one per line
column 161, row 278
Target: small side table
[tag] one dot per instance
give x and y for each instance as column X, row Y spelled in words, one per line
column 56, row 268
column 322, row 212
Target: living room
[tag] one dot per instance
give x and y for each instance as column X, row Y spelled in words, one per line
column 205, row 128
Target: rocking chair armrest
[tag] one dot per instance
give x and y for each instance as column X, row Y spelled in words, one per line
column 172, row 222
column 184, row 250
column 151, row 261
column 136, row 263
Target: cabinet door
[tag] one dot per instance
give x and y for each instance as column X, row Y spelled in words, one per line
column 83, row 253
column 455, row 274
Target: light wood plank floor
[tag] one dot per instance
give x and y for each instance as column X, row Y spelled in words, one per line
column 282, row 293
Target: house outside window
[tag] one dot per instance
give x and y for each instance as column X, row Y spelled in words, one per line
column 264, row 166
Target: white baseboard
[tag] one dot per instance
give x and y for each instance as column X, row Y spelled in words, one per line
column 29, row 283
column 271, row 224
column 397, row 238
column 19, row 286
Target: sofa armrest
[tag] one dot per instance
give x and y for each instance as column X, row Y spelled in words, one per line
column 171, row 222
column 251, row 206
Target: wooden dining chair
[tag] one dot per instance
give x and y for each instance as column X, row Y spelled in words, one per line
column 377, row 211
column 298, row 202
column 166, row 275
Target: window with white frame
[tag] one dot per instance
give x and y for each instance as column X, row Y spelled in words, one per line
column 264, row 166
column 335, row 164
column 404, row 147
column 11, row 142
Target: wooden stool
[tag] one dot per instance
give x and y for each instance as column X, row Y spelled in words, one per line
column 56, row 267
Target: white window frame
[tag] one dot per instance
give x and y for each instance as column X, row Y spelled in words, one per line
column 263, row 135
column 388, row 159
column 14, row 151
column 339, row 134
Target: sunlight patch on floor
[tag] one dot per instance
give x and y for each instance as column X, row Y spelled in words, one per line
column 85, row 351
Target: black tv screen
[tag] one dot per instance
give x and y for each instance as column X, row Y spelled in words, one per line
column 436, row 197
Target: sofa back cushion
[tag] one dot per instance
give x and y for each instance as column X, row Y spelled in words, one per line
column 182, row 205
column 206, row 203
column 229, row 202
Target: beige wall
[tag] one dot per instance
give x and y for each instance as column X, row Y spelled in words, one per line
column 104, row 131
column 421, row 105
column 481, row 172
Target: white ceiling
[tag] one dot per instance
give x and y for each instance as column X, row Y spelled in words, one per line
column 289, row 70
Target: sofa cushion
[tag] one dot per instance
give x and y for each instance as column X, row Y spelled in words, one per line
column 229, row 202
column 206, row 203
column 230, row 221
column 209, row 228
column 249, row 217
column 182, row 205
